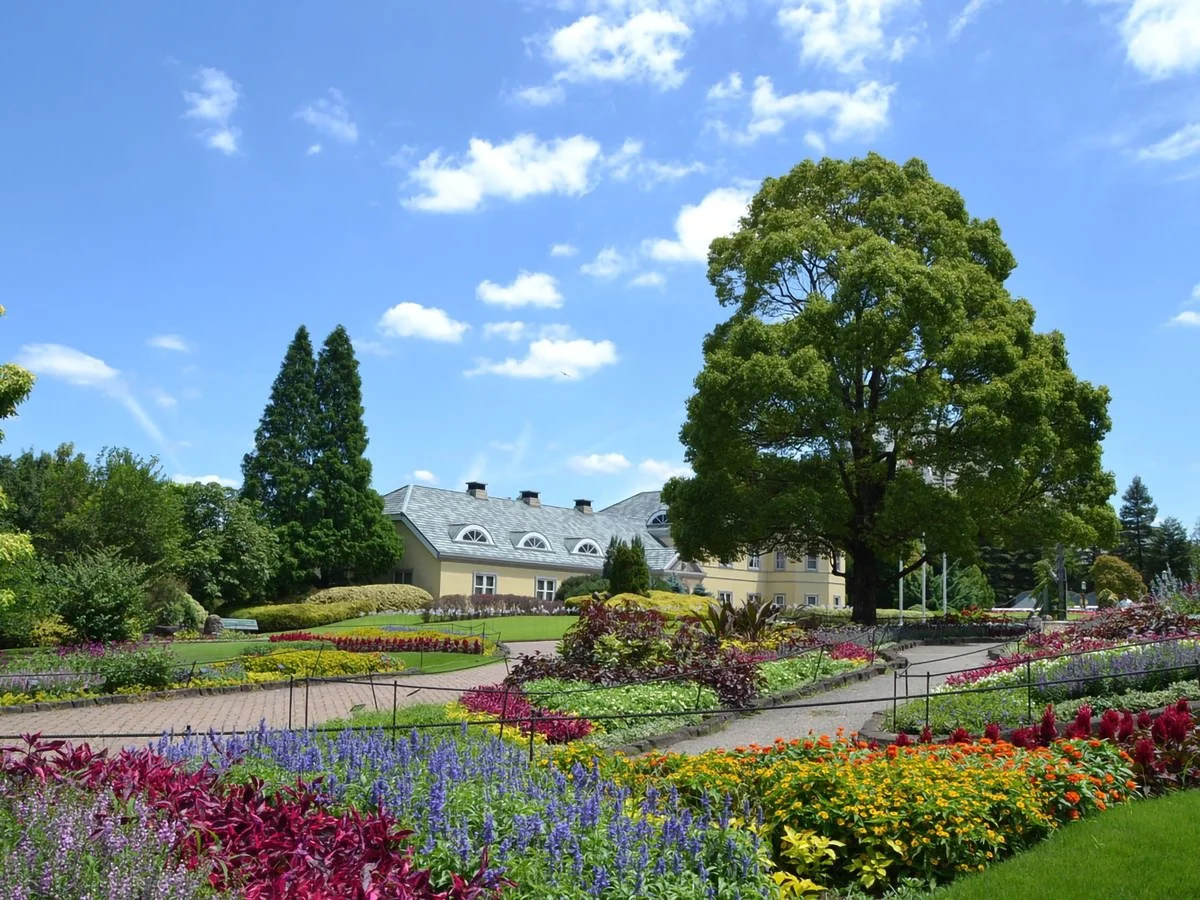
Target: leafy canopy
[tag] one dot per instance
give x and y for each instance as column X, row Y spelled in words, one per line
column 874, row 349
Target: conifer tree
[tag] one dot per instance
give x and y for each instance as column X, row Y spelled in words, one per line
column 351, row 538
column 278, row 473
column 1137, row 515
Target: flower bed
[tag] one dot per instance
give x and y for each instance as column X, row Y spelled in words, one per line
column 374, row 640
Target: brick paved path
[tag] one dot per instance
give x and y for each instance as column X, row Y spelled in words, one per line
column 244, row 711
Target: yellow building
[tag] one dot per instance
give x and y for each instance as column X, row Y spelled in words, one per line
column 470, row 543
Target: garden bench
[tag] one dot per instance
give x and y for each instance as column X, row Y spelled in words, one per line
column 240, row 624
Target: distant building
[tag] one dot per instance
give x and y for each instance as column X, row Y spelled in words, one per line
column 470, row 543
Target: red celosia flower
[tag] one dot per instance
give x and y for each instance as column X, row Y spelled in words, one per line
column 1110, row 725
column 903, row 740
column 992, row 732
column 926, row 735
column 1143, row 753
column 1049, row 731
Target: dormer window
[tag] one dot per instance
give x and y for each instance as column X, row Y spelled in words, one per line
column 474, row 534
column 534, row 541
column 588, row 548
column 659, row 520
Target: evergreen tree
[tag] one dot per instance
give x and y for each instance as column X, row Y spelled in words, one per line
column 1137, row 523
column 630, row 572
column 278, row 473
column 351, row 538
column 1169, row 548
column 610, row 554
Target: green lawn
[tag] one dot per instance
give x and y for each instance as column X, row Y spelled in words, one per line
column 1142, row 851
column 510, row 628
column 203, row 652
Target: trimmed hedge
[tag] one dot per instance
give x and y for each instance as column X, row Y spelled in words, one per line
column 293, row 616
column 675, row 606
column 382, row 597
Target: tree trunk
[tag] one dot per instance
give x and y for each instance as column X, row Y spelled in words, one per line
column 864, row 585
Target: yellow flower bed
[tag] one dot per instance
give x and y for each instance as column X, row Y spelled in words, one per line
column 675, row 606
column 319, row 663
column 456, row 712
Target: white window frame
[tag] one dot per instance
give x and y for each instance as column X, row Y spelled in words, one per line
column 534, row 536
column 837, row 601
column 723, row 596
column 484, row 576
column 404, row 576
column 588, row 542
column 754, row 562
column 753, row 598
column 780, row 560
column 812, row 599
column 545, row 588
column 810, row 562
column 781, row 600
column 466, row 528
column 660, row 519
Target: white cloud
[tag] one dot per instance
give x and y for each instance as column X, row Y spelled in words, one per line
column 374, row 348
column 1162, row 37
column 516, row 331
column 557, row 359
column 728, row 88
column 1196, row 293
column 206, row 479
column 646, row 47
column 80, row 369
column 664, row 471
column 163, row 399
column 542, row 94
column 424, row 476
column 313, row 149
column 628, row 161
column 563, row 250
column 524, row 167
column 861, row 114
column 214, row 104
column 415, row 320
column 609, row 263
column 696, row 226
column 969, row 14
column 1188, row 317
column 169, row 342
column 1183, row 143
column 649, row 279
column 330, row 116
column 843, row 34
column 527, row 289
column 598, row 464
column 509, row 331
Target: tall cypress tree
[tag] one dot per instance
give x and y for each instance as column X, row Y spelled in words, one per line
column 351, row 538
column 1137, row 523
column 279, row 472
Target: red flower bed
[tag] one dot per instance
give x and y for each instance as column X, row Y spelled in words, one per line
column 389, row 644
column 511, row 703
column 264, row 847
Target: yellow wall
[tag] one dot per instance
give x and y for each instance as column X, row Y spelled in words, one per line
column 459, row 577
column 795, row 582
column 426, row 570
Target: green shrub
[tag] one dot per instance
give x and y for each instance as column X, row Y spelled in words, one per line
column 669, row 604
column 581, row 586
column 383, row 597
column 51, row 632
column 295, row 616
column 630, row 574
column 670, row 585
column 101, row 596
column 152, row 668
column 169, row 603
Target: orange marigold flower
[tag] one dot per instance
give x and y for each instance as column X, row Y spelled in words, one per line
column 1072, row 797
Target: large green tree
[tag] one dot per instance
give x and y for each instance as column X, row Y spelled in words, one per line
column 878, row 383
column 278, row 473
column 351, row 538
column 230, row 554
column 16, row 547
column 1137, row 525
column 1169, row 548
column 47, row 492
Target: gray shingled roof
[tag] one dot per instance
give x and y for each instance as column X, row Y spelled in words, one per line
column 640, row 506
column 439, row 515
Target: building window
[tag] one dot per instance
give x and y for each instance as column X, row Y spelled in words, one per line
column 837, row 600
column 404, row 576
column 780, row 560
column 780, row 601
column 754, row 563
column 754, row 598
column 659, row 520
column 811, row 599
column 534, row 541
column 810, row 563
column 485, row 584
column 474, row 534
column 544, row 588
column 588, row 548
column 724, row 596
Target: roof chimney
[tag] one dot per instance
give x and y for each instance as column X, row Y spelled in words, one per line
column 583, row 506
column 477, row 489
column 530, row 498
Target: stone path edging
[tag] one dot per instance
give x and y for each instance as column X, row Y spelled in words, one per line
column 717, row 721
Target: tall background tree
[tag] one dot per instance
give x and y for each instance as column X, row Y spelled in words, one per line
column 16, row 547
column 229, row 553
column 278, row 473
column 873, row 350
column 351, row 539
column 1137, row 524
column 1169, row 549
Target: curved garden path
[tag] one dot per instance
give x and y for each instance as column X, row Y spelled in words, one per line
column 836, row 709
column 243, row 711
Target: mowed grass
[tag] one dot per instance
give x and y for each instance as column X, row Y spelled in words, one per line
column 508, row 628
column 204, row 653
column 1140, row 851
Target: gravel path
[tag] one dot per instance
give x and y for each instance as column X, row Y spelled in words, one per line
column 837, row 710
column 243, row 711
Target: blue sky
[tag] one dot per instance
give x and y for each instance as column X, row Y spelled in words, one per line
column 507, row 204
